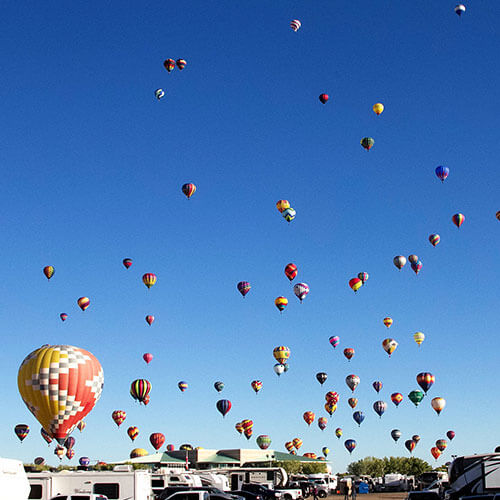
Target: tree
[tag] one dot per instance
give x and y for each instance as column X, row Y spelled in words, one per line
column 377, row 467
column 313, row 468
column 296, row 467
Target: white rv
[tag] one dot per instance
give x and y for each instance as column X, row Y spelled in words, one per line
column 164, row 477
column 13, row 481
column 123, row 483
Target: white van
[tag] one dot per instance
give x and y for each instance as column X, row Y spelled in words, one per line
column 13, row 481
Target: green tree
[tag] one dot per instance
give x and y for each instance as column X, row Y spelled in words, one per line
column 377, row 467
column 290, row 466
column 313, row 468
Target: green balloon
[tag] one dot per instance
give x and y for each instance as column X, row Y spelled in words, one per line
column 415, row 397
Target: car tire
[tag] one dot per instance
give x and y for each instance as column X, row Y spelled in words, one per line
column 322, row 494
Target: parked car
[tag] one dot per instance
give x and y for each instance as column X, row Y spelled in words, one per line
column 423, row 495
column 189, row 495
column 265, row 493
column 248, row 495
column 214, row 492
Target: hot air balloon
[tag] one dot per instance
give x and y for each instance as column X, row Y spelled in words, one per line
column 450, row 435
column 239, row 427
column 441, row 444
column 243, row 287
column 367, row 143
column 379, row 407
column 459, row 9
column 83, row 303
column 181, row 63
column 279, row 369
column 282, row 205
column 281, row 303
column 377, row 385
column 70, row 454
column 322, row 421
column 434, row 239
column 442, row 172
column 417, row 267
column 425, row 381
column 188, row 189
column 399, row 261
column 325, row 451
column 48, row 271
column 157, row 439
column 358, row 417
column 149, row 279
column 281, row 354
column 84, row 461
column 223, row 405
column 363, row 277
column 159, row 93
column 396, row 398
column 497, row 215
column 410, row 445
column 75, row 379
column 69, row 443
column 81, row 425
column 182, row 385
column 334, row 341
column 301, row 290
column 291, row 271
column 140, row 389
column 39, row 461
column 297, row 443
column 170, row 447
column 127, row 262
column 138, row 452
column 119, row 417
column 418, row 337
column 352, row 382
column 146, row 400
column 332, row 397
column 147, row 357
column 256, row 385
column 169, row 64
column 185, row 447
column 415, row 397
column 219, row 386
column 352, row 402
column 438, row 405
column 338, row 432
column 323, row 98
column 45, row 435
column 150, row 319
column 458, row 219
column 21, row 431
column 63, row 316
column 132, row 432
column 295, row 25
column 416, row 438
column 389, row 346
column 349, row 353
column 395, row 434
column 263, row 442
column 388, row 322
column 330, row 407
column 355, row 284
column 289, row 446
column 247, row 425
column 289, row 214
column 350, row 444
column 435, row 452
column 413, row 258
column 308, row 417
column 59, row 451
column 321, row 377
column 378, row 108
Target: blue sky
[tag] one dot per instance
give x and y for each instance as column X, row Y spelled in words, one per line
column 92, row 171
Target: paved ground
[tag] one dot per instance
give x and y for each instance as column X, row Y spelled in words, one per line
column 374, row 496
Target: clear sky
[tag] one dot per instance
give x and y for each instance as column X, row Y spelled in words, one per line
column 92, row 166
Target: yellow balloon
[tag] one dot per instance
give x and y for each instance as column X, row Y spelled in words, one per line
column 378, row 108
column 138, row 452
column 418, row 337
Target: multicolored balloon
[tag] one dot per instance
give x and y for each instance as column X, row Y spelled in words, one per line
column 80, row 425
column 281, row 302
column 418, row 337
column 22, row 431
column 295, row 25
column 350, row 444
column 59, row 451
column 396, row 398
column 291, row 271
column 301, row 290
column 218, row 386
column 289, row 446
column 349, row 353
column 224, row 405
column 413, row 258
column 389, row 346
column 45, row 435
column 159, row 94
column 416, row 397
column 157, row 439
column 334, row 341
column 379, row 407
column 282, row 205
column 133, row 432
column 352, row 382
column 459, row 9
column 399, row 261
column 289, row 214
column 138, row 452
column 48, row 271
column 339, row 432
column 458, row 219
column 395, row 434
column 118, row 417
column 425, row 380
column 181, row 63
column 169, row 64
column 388, row 322
column 83, row 303
column 263, row 442
column 239, row 427
column 441, row 444
column 322, row 422
column 358, row 417
column 256, row 385
column 410, row 445
column 281, row 354
column 355, row 284
column 297, row 443
column 324, row 98
column 434, row 239
column 416, row 438
column 243, row 287
column 442, row 172
column 332, row 397
column 70, row 454
column 84, row 461
column 325, row 451
column 450, row 435
column 438, row 405
column 363, row 277
column 367, row 143
column 435, row 452
column 188, row 189
column 377, row 385
column 127, row 263
column 140, row 389
column 352, row 402
column 63, row 316
column 417, row 266
column 149, row 279
column 39, row 461
column 75, row 378
column 308, row 417
column 182, row 385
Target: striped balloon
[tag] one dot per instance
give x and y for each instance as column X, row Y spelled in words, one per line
column 21, row 431
column 334, row 341
column 301, row 290
column 418, row 337
column 458, row 219
column 297, row 443
column 132, row 432
column 188, row 189
column 83, row 303
column 169, row 64
column 256, row 385
column 70, row 454
column 289, row 445
column 295, row 25
column 281, row 303
column 355, row 284
column 181, row 63
column 243, row 287
column 377, row 385
column 119, row 417
column 140, row 389
column 434, row 239
column 224, row 405
column 48, row 271
column 149, row 279
column 80, row 425
column 46, row 435
column 263, row 442
column 182, row 385
column 281, row 354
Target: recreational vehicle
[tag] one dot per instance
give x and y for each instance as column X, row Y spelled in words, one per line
column 13, row 482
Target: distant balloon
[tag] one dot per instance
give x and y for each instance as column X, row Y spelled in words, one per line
column 334, row 341
column 21, row 431
column 295, row 25
column 239, row 427
column 127, row 263
column 378, row 108
column 219, row 386
column 289, row 214
column 379, row 407
column 352, row 382
column 159, row 93
column 157, row 439
column 438, row 405
column 281, row 303
column 497, row 215
column 417, row 267
column 332, row 397
column 377, row 385
column 132, row 432
column 355, row 284
column 84, row 461
column 416, row 397
column 281, row 354
column 325, row 451
column 450, row 435
column 416, row 438
column 389, row 346
column 363, row 277
column 83, row 303
column 170, row 447
column 81, row 425
column 459, row 9
column 70, row 454
column 349, row 353
column 243, row 287
column 399, row 261
column 150, row 319
column 63, row 316
column 59, row 451
column 289, row 446
column 458, row 219
column 188, row 189
column 297, row 443
column 425, row 381
column 323, row 98
column 418, row 337
column 308, row 417
column 45, row 435
column 282, row 205
column 395, row 434
column 223, row 405
column 149, row 279
column 396, row 398
column 169, row 64
column 441, row 444
column 338, row 432
column 410, row 445
column 278, row 369
column 322, row 422
column 388, row 322
column 352, row 402
column 367, row 143
column 138, row 452
column 301, row 290
column 321, row 377
column 181, row 63
column 442, row 172
column 119, row 417
column 435, row 452
column 69, row 443
column 147, row 357
column 48, row 271
column 434, row 239
column 350, row 444
column 140, row 389
column 39, row 461
column 291, row 271
column 256, row 385
column 358, row 417
column 263, row 442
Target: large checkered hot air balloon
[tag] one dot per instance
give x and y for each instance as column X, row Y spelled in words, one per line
column 60, row 384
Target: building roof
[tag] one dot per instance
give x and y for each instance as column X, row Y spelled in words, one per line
column 218, row 458
column 278, row 455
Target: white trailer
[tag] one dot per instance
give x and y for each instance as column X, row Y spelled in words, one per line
column 164, row 477
column 121, row 484
column 14, row 484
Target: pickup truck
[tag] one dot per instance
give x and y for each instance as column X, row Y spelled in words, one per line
column 215, row 493
column 291, row 492
column 265, row 493
column 190, row 495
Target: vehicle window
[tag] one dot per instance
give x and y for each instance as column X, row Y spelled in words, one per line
column 157, row 483
column 79, row 497
column 111, row 490
column 173, row 479
column 60, row 498
column 270, row 475
column 36, row 491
